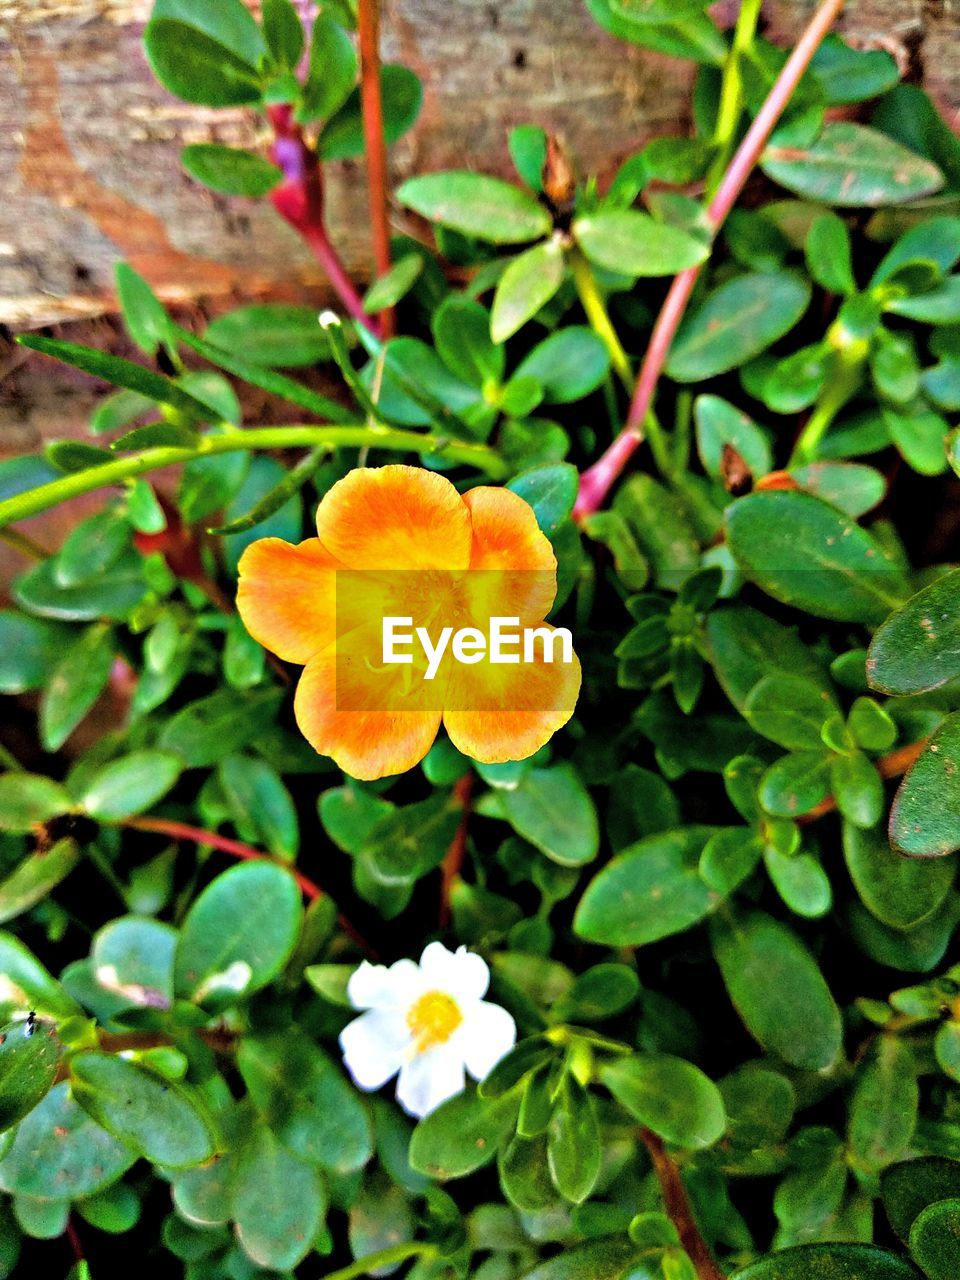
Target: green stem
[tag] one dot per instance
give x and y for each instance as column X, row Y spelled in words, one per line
column 844, row 381
column 731, row 91
column 384, row 1258
column 23, row 505
column 591, row 299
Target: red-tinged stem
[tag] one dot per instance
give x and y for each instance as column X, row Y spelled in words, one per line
column 368, row 26
column 596, row 482
column 299, row 199
column 677, row 1204
column 76, row 1248
column 453, row 861
column 237, row 849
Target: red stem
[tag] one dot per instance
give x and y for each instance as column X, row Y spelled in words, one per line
column 237, row 849
column 677, row 1204
column 453, row 861
column 299, row 199
column 596, row 482
column 368, row 25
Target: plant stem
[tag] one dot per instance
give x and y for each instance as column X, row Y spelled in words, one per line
column 595, row 483
column 591, row 299
column 395, row 1254
column 678, row 1208
column 846, row 375
column 453, row 860
column 368, row 27
column 299, row 199
column 24, row 544
column 23, row 505
column 889, row 766
column 731, row 90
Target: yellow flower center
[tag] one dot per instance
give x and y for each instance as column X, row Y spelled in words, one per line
column 433, row 1019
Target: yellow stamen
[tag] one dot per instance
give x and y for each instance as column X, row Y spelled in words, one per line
column 433, row 1019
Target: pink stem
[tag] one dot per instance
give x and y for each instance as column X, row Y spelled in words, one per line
column 596, row 481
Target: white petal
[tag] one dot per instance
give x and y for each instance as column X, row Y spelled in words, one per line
column 374, row 986
column 429, row 1079
column 374, row 1047
column 461, row 973
column 487, row 1035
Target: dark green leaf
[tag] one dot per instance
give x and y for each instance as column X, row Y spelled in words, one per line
column 402, row 95
column 551, row 491
column 672, row 1097
column 278, row 1202
column 76, row 684
column 230, row 170
column 918, row 647
column 573, row 1142
column 461, row 1135
column 925, row 818
column 283, row 31
column 829, row 1262
column 143, row 313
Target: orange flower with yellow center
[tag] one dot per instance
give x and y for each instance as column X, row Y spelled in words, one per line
column 401, row 542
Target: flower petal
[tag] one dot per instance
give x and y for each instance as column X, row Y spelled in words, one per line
column 395, row 517
column 429, row 1079
column 286, row 596
column 487, row 1035
column 496, row 712
column 366, row 744
column 375, row 1047
column 462, row 974
column 516, row 568
column 374, row 986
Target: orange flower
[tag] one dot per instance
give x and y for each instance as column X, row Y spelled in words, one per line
column 401, row 542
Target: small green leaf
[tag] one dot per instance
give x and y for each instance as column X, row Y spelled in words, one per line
column 789, row 710
column 402, row 96
column 230, row 170
column 883, row 1110
column 259, row 799
column 529, row 282
column 461, row 1135
column 29, row 1059
column 197, row 68
column 387, row 290
column 908, row 1187
column 925, row 818
column 238, row 934
column 143, row 313
column 332, row 73
column 735, row 322
column 853, row 166
column 828, row 254
column 160, row 1120
column 283, row 31
column 30, row 649
column 477, row 205
column 670, row 1096
column 918, row 647
column 75, row 685
column 28, row 799
column 278, row 1202
column 551, row 491
column 935, row 1240
column 35, row 877
column 720, row 425
column 272, row 335
column 778, row 990
column 568, row 364
column 829, row 1262
column 635, row 244
column 554, row 811
column 130, row 784
column 900, row 892
column 573, row 1142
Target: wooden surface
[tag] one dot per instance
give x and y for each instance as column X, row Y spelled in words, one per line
column 89, row 154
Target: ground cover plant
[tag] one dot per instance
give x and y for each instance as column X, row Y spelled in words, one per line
column 665, row 975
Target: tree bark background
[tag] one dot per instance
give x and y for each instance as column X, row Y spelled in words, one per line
column 89, row 153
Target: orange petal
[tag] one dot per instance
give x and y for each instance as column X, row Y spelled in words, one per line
column 395, row 517
column 366, row 744
column 516, row 568
column 497, row 712
column 286, row 596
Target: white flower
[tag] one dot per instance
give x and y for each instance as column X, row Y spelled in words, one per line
column 427, row 1021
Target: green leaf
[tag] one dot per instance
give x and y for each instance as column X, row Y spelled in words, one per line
column 918, row 647
column 720, row 425
column 238, row 934
column 476, row 205
column 387, row 290
column 524, row 1174
column 573, row 1142
column 852, row 75
column 60, row 1152
column 789, row 710
column 75, row 685
column 227, row 21
column 272, row 335
column 883, row 1110
column 598, row 1260
column 35, row 878
column 199, row 69
column 283, row 31
column 260, row 800
column 461, row 1135
column 132, row 957
column 160, row 1120
column 778, row 990
column 130, row 784
column 854, row 166
column 29, row 651
column 402, row 96
column 529, row 282
column 900, row 892
column 829, row 255
column 303, row 1098
column 568, row 365
column 28, row 986
column 746, row 645
column 852, row 487
column 332, row 73
column 650, row 891
column 796, row 784
column 551, row 491
column 598, row 993
column 528, row 151
column 670, row 1096
column 735, row 322
column 935, row 1240
column 925, row 818
column 278, row 1202
column 29, row 1059
column 230, row 170
column 554, row 811
column 908, row 1187
column 119, row 372
column 204, row 732
column 857, row 788
column 143, row 313
column 806, row 553
column 28, row 799
column 661, row 524
column 411, row 840
column 828, row 1262
column 635, row 244
column 461, row 331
